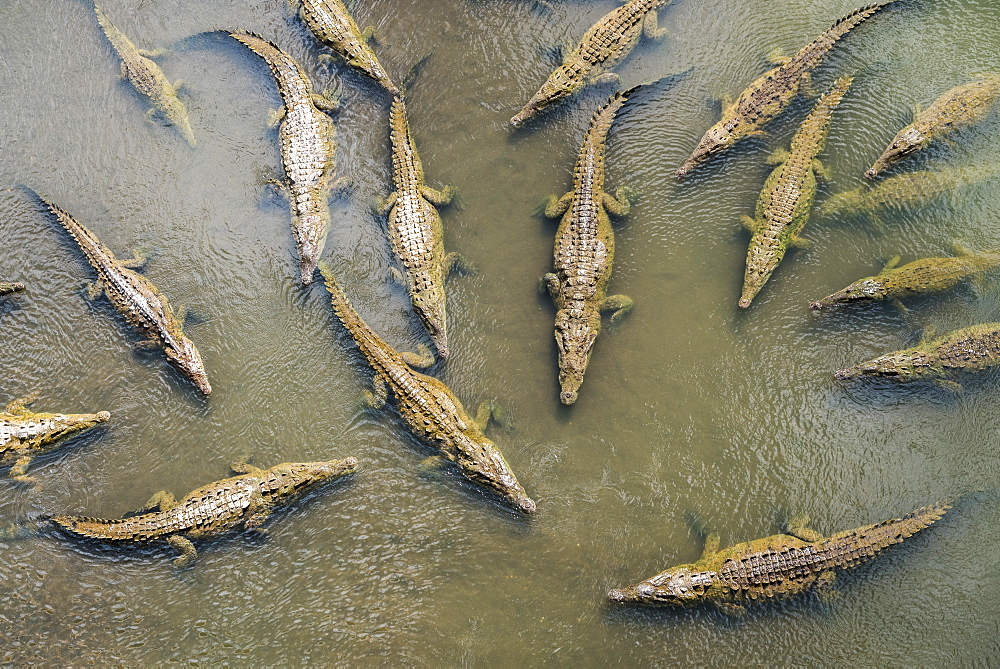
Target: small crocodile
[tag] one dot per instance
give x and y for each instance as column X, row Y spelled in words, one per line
column 961, row 107
column 306, row 135
column 333, row 25
column 136, row 298
column 25, row 434
column 909, row 189
column 147, row 77
column 415, row 231
column 584, row 253
column 774, row 568
column 787, row 197
column 771, row 94
column 429, row 408
column 7, row 287
column 602, row 47
column 970, row 349
column 927, row 275
column 245, row 500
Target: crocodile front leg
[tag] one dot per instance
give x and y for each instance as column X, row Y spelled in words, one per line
column 161, row 501
column 385, row 205
column 377, row 396
column 18, row 407
column 19, row 471
column 422, row 359
column 712, row 543
column 187, row 550
column 275, row 116
column 651, row 27
column 438, row 197
column 555, row 207
column 326, row 101
column 621, row 305
column 620, row 205
column 797, row 528
column 456, row 262
column 138, row 260
column 550, row 284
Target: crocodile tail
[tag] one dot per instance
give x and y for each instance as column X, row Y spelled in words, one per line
column 841, row 27
column 816, row 126
column 93, row 528
column 860, row 545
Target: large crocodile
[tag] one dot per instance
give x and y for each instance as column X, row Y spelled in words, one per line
column 136, row 298
column 7, row 287
column 428, row 407
column 774, row 568
column 970, row 349
column 146, row 76
column 961, row 107
column 787, row 197
column 25, row 434
column 584, row 253
column 771, row 94
column 415, row 231
column 909, row 189
column 245, row 500
column 306, row 135
column 333, row 25
column 927, row 275
column 602, row 47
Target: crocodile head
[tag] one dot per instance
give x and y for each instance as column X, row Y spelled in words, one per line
column 905, row 143
column 562, row 83
column 291, row 478
column 176, row 114
column 188, row 360
column 481, row 461
column 41, row 429
column 901, row 366
column 719, row 137
column 863, row 290
column 576, row 330
column 10, row 287
column 430, row 307
column 680, row 586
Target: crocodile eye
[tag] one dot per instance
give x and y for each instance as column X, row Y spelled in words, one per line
column 645, row 589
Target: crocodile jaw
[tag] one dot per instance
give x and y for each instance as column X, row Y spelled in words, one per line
column 481, row 461
column 557, row 87
column 290, row 478
column 430, row 308
column 576, row 330
column 906, row 142
column 681, row 586
column 188, row 360
column 863, row 290
column 901, row 366
column 714, row 141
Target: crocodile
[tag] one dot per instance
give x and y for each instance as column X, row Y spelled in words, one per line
column 136, row 298
column 927, row 275
column 787, row 197
column 602, row 47
column 772, row 93
column 333, row 25
column 584, row 253
column 909, row 189
column 415, row 231
column 961, row 107
column 146, row 76
column 25, row 434
column 428, row 407
column 778, row 567
column 7, row 287
column 972, row 349
column 306, row 135
column 245, row 500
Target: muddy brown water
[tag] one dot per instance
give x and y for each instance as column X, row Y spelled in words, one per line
column 693, row 414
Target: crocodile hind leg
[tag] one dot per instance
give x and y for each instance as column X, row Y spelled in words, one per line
column 438, row 197
column 18, row 406
column 187, row 550
column 651, row 27
column 621, row 204
column 383, row 206
column 712, row 543
column 326, row 101
column 490, row 411
column 550, row 284
column 376, row 397
column 456, row 262
column 275, row 116
column 160, row 501
column 620, row 305
column 19, row 471
column 422, row 359
column 244, row 467
column 732, row 610
column 555, row 207
column 138, row 260
column 797, row 528
column 94, row 290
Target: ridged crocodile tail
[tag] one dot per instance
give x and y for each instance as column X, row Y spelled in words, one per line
column 852, row 547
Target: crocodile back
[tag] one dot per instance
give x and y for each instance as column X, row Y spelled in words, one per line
column 615, row 35
column 407, row 170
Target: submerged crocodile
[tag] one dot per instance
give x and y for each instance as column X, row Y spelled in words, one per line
column 787, row 197
column 25, row 434
column 584, row 253
column 7, row 287
column 771, row 94
column 970, row 349
column 927, row 275
column 333, row 25
column 306, row 135
column 961, row 107
column 415, row 231
column 246, row 500
column 429, row 408
column 136, row 298
column 602, row 47
column 147, row 77
column 774, row 568
column 909, row 189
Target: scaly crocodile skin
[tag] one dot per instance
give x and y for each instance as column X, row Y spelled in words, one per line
column 306, row 136
column 7, row 287
column 777, row 567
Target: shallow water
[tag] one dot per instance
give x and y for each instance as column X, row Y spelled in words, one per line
column 693, row 414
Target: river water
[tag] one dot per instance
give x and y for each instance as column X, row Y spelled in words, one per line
column 694, row 414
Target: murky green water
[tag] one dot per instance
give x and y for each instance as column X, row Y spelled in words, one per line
column 692, row 412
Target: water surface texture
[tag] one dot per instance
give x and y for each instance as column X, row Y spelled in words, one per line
column 694, row 414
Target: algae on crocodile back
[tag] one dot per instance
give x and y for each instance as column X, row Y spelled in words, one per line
column 774, row 568
column 970, row 349
column 924, row 276
column 245, row 500
column 602, row 47
column 958, row 108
